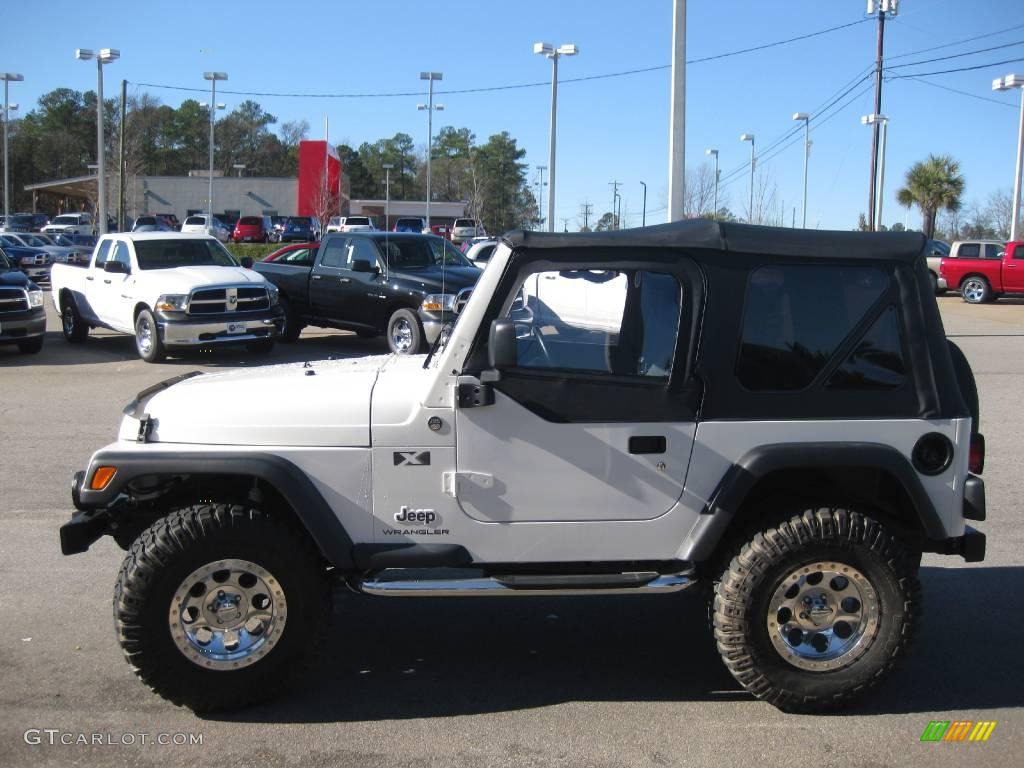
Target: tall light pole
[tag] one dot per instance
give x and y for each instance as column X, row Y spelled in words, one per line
column 1005, row 84
column 430, row 77
column 643, row 220
column 540, row 192
column 387, row 193
column 8, row 78
column 104, row 56
column 213, row 77
column 717, row 174
column 807, row 153
column 875, row 121
column 677, row 115
column 753, row 160
column 547, row 49
column 881, row 7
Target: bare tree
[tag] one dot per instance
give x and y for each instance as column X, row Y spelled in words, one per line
column 324, row 200
column 699, row 191
column 999, row 210
column 766, row 203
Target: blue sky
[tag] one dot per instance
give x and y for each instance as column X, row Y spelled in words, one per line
column 609, row 129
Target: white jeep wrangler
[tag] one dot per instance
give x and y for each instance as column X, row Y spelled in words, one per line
column 776, row 413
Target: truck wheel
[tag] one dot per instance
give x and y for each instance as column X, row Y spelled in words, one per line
column 75, row 329
column 405, row 336
column 31, row 346
column 976, row 290
column 219, row 606
column 147, row 338
column 813, row 613
column 292, row 325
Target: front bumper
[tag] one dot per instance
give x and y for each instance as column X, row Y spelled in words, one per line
column 21, row 326
column 177, row 331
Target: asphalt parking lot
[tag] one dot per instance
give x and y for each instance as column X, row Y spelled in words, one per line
column 483, row 682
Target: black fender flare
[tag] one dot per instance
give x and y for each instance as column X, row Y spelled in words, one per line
column 315, row 514
column 717, row 515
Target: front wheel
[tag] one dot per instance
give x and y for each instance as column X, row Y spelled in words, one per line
column 405, row 335
column 219, row 606
column 74, row 328
column 976, row 290
column 816, row 611
column 147, row 338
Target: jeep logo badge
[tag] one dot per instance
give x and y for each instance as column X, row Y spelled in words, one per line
column 409, row 515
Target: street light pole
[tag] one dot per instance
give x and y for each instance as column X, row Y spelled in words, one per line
column 807, row 153
column 387, row 193
column 213, row 77
column 104, row 56
column 547, row 49
column 715, row 153
column 643, row 221
column 750, row 212
column 540, row 191
column 430, row 77
column 1005, row 84
column 8, row 78
column 677, row 115
column 875, row 120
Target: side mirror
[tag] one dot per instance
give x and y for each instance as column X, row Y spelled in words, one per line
column 116, row 267
column 247, row 262
column 363, row 265
column 502, row 349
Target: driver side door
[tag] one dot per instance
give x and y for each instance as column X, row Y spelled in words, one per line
column 111, row 305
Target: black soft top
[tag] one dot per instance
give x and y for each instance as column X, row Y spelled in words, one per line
column 737, row 238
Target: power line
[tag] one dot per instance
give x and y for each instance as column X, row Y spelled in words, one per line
column 962, row 93
column 955, row 43
column 514, row 86
column 956, row 55
column 959, row 69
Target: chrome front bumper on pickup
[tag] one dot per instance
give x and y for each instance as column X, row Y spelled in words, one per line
column 178, row 333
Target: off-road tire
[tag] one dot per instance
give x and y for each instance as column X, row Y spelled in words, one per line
column 31, row 346
column 741, row 607
column 175, row 546
column 405, row 325
column 74, row 328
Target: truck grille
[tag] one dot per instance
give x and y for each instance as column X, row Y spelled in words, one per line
column 13, row 300
column 212, row 301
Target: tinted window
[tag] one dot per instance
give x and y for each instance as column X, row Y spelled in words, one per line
column 464, row 223
column 622, row 323
column 302, row 257
column 877, row 360
column 485, row 253
column 419, row 252
column 335, row 253
column 969, row 251
column 993, row 251
column 193, row 220
column 66, row 220
column 795, row 317
column 360, row 220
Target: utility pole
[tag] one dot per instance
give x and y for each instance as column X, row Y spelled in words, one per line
column 643, row 220
column 565, row 224
column 881, row 7
column 120, row 156
column 615, row 196
column 677, row 114
column 586, row 208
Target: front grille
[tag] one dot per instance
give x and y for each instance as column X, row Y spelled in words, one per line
column 13, row 300
column 213, row 301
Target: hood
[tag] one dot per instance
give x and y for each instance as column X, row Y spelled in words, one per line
column 430, row 278
column 323, row 404
column 184, row 279
column 16, row 279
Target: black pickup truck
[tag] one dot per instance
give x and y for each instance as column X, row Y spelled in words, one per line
column 402, row 285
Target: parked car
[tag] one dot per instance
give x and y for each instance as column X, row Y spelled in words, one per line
column 466, row 229
column 935, row 251
column 480, row 252
column 18, row 222
column 302, row 228
column 34, row 262
column 409, row 224
column 56, row 251
column 985, row 271
column 169, row 220
column 441, row 230
column 358, row 224
column 150, row 224
column 297, row 254
column 196, row 225
column 250, row 229
column 39, row 220
column 401, row 285
column 22, row 316
column 71, row 224
column 172, row 291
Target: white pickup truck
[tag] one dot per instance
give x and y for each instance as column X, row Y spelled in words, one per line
column 172, row 291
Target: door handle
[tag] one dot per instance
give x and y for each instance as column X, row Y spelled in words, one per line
column 647, row 444
column 89, row 277
column 107, row 282
column 317, row 277
column 344, row 280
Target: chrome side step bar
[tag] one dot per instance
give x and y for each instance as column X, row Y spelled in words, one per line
column 385, row 585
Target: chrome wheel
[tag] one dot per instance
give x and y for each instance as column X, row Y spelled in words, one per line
column 974, row 290
column 401, row 335
column 227, row 614
column 144, row 336
column 823, row 616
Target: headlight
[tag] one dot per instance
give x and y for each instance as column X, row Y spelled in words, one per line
column 172, row 302
column 35, row 298
column 28, row 261
column 274, row 293
column 438, row 302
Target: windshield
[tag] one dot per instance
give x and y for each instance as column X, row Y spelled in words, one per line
column 168, row 254
column 420, row 252
column 34, row 241
column 357, row 220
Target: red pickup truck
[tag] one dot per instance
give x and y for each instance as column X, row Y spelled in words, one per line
column 995, row 272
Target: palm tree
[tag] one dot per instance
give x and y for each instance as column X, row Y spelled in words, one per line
column 933, row 185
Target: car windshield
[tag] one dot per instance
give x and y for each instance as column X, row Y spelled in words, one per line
column 357, row 220
column 192, row 221
column 168, row 254
column 409, row 253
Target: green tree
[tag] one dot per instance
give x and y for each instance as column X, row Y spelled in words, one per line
column 501, row 195
column 932, row 185
column 607, row 222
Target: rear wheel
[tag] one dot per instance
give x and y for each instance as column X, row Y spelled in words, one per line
column 220, row 606
column 976, row 290
column 405, row 335
column 147, row 338
column 814, row 612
